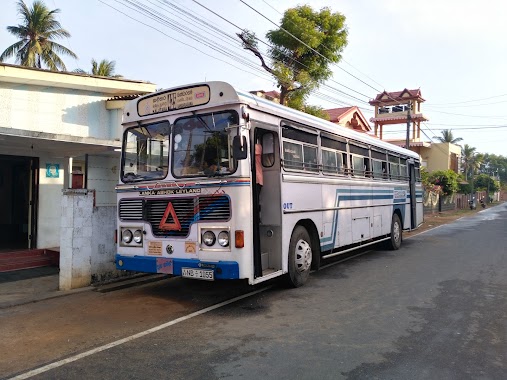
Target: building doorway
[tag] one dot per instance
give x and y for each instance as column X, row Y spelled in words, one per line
column 18, row 197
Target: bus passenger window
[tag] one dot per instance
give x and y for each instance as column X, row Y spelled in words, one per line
column 292, row 155
column 384, row 169
column 358, row 165
column 377, row 168
column 310, row 158
column 329, row 162
column 367, row 168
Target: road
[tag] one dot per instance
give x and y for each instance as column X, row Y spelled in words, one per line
column 435, row 309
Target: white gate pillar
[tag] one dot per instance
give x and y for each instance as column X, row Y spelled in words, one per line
column 76, row 238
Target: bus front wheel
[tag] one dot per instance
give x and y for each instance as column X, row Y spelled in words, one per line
column 394, row 242
column 300, row 257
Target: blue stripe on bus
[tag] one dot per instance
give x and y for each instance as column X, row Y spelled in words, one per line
column 223, row 270
column 334, row 227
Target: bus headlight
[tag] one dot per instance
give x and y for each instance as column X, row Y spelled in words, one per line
column 208, row 238
column 138, row 236
column 126, row 236
column 223, row 238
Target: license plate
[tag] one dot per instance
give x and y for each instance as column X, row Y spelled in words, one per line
column 200, row 274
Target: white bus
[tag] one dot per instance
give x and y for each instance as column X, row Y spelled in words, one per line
column 216, row 184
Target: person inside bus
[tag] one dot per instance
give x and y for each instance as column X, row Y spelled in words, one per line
column 259, row 178
column 211, row 170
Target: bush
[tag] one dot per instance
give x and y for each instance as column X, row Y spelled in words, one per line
column 446, row 179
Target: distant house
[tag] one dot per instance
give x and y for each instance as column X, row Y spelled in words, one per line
column 274, row 96
column 435, row 156
column 402, row 107
column 350, row 117
column 395, row 108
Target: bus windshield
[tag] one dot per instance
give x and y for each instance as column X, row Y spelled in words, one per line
column 202, row 145
column 145, row 152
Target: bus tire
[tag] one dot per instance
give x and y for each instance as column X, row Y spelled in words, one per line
column 300, row 257
column 394, row 242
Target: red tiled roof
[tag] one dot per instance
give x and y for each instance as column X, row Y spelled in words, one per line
column 397, row 96
column 336, row 113
column 273, row 94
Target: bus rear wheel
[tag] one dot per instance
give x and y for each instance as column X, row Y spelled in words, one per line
column 394, row 242
column 300, row 257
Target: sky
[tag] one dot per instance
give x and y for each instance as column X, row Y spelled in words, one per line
column 453, row 50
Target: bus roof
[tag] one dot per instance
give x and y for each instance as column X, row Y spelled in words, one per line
column 216, row 93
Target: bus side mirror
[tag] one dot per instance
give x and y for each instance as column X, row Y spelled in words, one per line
column 239, row 147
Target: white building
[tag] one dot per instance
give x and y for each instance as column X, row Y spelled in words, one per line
column 53, row 124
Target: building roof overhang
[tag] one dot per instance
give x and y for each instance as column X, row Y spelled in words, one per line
column 411, row 144
column 76, row 81
column 27, row 143
column 398, row 119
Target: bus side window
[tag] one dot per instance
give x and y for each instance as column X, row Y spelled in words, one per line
column 384, row 170
column 346, row 166
column 310, row 158
column 329, row 164
column 292, row 155
column 367, row 167
column 358, row 166
column 394, row 167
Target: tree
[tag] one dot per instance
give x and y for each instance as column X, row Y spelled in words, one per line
column 36, row 47
column 496, row 164
column 104, row 68
column 448, row 137
column 301, row 49
column 485, row 183
column 468, row 159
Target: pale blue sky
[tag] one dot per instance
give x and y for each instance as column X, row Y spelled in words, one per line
column 454, row 50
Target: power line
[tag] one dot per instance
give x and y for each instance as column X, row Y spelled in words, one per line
column 177, row 40
column 470, row 101
column 466, row 106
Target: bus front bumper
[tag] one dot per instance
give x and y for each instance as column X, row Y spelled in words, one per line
column 223, row 270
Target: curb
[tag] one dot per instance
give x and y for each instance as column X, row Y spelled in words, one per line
column 118, row 285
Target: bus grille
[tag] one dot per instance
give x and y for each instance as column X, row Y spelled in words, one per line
column 131, row 209
column 188, row 211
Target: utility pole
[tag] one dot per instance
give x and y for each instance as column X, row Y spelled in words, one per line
column 409, row 118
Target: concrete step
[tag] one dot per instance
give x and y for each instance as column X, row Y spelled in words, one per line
column 30, row 258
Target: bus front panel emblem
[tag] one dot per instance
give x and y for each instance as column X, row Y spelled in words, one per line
column 166, row 225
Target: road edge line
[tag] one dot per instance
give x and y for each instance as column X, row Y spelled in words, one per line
column 130, row 338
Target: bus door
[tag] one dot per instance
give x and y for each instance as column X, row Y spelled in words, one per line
column 267, row 217
column 413, row 203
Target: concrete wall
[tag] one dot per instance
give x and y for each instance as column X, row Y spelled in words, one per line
column 57, row 110
column 103, row 177
column 87, row 246
column 50, row 198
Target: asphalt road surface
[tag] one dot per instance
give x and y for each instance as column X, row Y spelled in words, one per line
column 435, row 309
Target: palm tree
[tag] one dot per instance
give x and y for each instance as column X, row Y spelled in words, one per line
column 468, row 158
column 36, row 33
column 103, row 68
column 447, row 137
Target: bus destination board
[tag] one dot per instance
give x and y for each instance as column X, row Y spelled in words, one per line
column 173, row 100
